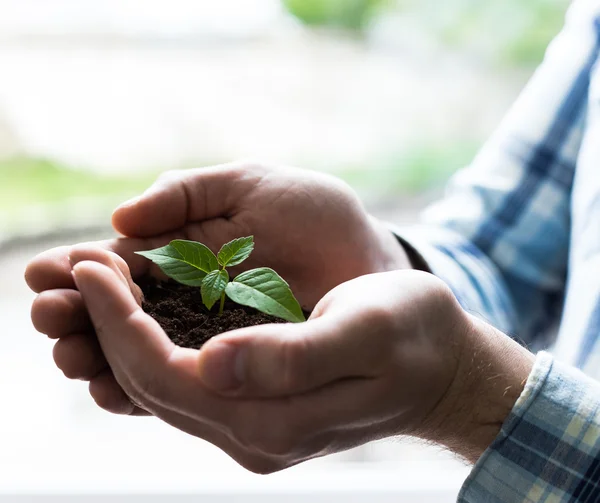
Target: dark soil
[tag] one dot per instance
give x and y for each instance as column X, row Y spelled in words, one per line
column 180, row 312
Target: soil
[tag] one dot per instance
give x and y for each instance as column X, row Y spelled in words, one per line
column 180, row 312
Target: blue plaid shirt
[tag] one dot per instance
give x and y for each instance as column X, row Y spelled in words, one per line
column 517, row 237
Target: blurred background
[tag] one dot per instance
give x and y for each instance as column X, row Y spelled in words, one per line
column 96, row 98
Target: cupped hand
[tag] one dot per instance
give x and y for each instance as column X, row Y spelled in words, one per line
column 376, row 359
column 309, row 227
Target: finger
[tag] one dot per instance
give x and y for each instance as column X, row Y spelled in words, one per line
column 178, row 197
column 80, row 253
column 135, row 346
column 287, row 359
column 153, row 372
column 59, row 312
column 52, row 270
column 79, row 356
column 108, row 395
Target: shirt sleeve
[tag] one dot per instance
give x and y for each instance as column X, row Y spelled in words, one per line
column 549, row 447
column 500, row 236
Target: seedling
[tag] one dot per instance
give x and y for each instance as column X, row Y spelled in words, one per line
column 194, row 264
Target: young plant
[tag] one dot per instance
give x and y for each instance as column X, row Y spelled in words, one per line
column 194, row 264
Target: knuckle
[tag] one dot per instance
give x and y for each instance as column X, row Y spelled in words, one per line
column 39, row 315
column 114, row 402
column 77, row 357
column 382, row 322
column 69, row 372
column 105, row 402
column 31, row 275
column 56, row 313
column 111, row 403
column 62, row 356
column 73, row 373
column 40, row 273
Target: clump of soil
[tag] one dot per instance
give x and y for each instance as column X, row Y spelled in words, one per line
column 180, row 312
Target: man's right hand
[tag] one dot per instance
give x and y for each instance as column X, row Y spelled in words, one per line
column 311, row 228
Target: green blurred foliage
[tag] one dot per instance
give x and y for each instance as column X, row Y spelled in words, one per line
column 514, row 32
column 27, row 181
column 422, row 168
column 347, row 14
column 510, row 31
column 543, row 24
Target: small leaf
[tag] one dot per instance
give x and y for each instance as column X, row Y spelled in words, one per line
column 236, row 251
column 213, row 285
column 196, row 254
column 265, row 290
column 187, row 262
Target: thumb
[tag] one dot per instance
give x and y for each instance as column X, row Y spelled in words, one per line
column 179, row 197
column 91, row 252
column 135, row 346
column 286, row 359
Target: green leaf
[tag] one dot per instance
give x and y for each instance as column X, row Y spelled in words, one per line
column 213, row 286
column 236, row 251
column 187, row 262
column 265, row 290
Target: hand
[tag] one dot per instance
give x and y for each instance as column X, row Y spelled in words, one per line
column 382, row 355
column 372, row 361
column 309, row 227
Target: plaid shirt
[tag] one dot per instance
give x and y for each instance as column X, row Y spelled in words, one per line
column 517, row 237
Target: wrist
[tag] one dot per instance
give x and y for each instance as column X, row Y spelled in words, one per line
column 490, row 377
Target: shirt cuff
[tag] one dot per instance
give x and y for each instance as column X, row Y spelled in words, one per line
column 428, row 248
column 549, row 447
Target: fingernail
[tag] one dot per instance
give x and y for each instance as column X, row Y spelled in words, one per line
column 72, row 260
column 74, row 275
column 222, row 367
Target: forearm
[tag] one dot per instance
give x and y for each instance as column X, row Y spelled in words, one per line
column 548, row 447
column 530, row 424
column 491, row 376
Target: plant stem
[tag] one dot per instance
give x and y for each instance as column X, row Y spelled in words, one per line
column 222, row 304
